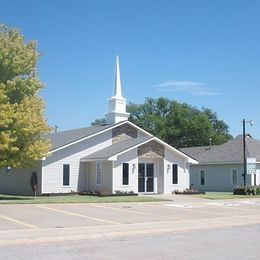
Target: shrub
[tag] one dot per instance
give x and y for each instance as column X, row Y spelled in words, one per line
column 189, row 191
column 246, row 190
column 258, row 190
column 124, row 192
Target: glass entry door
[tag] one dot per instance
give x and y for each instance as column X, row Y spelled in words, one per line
column 145, row 177
column 149, row 177
column 141, row 177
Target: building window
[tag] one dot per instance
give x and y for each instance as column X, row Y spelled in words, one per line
column 66, row 174
column 125, row 173
column 99, row 172
column 202, row 177
column 234, row 176
column 175, row 174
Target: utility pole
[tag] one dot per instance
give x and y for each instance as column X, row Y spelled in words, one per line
column 244, row 148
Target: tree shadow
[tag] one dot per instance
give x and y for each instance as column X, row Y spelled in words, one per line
column 6, row 197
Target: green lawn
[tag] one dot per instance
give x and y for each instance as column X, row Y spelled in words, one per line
column 12, row 199
column 224, row 195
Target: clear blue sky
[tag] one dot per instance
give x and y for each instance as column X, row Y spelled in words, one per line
column 205, row 53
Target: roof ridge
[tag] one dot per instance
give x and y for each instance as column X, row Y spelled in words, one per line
column 80, row 128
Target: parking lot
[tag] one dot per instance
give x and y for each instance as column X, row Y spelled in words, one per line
column 52, row 222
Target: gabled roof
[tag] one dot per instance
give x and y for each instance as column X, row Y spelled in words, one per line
column 116, row 148
column 63, row 138
column 229, row 152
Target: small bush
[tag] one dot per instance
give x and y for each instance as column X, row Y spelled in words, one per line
column 124, row 192
column 246, row 190
column 188, row 191
column 96, row 192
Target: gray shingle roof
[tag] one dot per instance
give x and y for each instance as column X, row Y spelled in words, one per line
column 116, row 148
column 66, row 137
column 231, row 151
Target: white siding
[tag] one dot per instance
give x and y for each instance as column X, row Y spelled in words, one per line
column 161, row 176
column 131, row 158
column 106, row 176
column 18, row 181
column 183, row 172
column 53, row 166
column 258, row 174
column 162, row 179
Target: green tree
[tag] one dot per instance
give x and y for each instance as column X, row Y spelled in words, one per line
column 99, row 121
column 22, row 124
column 179, row 124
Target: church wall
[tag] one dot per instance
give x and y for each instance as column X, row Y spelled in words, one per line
column 52, row 176
column 106, row 177
column 183, row 172
column 131, row 158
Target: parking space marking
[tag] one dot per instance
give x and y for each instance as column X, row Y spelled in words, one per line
column 79, row 215
column 250, row 202
column 195, row 208
column 18, row 222
column 131, row 211
column 183, row 206
column 223, row 204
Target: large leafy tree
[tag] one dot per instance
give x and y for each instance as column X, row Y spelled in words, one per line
column 178, row 124
column 22, row 123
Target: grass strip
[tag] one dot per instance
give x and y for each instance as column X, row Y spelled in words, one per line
column 13, row 199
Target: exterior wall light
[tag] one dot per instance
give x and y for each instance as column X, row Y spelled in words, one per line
column 8, row 170
column 168, row 168
column 133, row 167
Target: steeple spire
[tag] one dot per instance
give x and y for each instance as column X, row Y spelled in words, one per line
column 117, row 83
column 117, row 104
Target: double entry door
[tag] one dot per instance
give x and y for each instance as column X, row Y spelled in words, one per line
column 145, row 177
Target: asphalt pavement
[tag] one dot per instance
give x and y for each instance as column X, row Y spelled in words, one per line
column 189, row 222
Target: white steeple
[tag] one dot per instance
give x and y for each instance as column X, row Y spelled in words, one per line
column 117, row 83
column 117, row 104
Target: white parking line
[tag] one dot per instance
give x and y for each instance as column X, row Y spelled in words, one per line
column 78, row 215
column 183, row 206
column 132, row 211
column 18, row 222
column 223, row 204
column 250, row 202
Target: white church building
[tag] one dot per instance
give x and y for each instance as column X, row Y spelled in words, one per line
column 118, row 156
